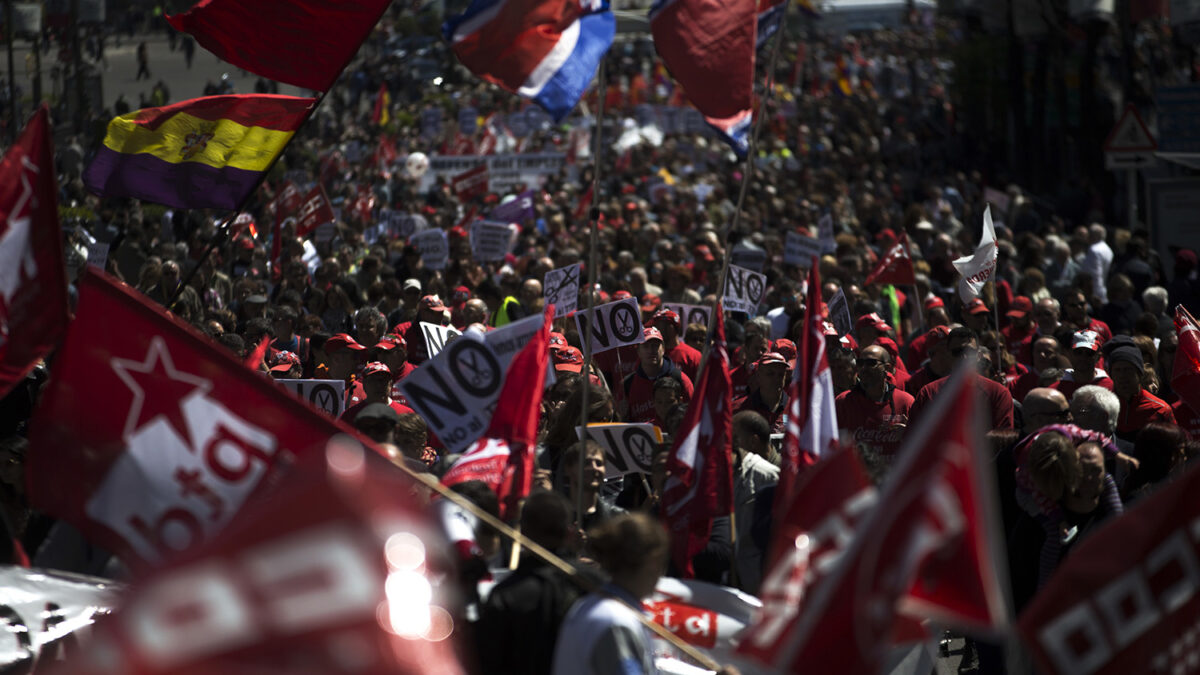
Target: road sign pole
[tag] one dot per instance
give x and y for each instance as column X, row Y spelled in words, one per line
column 1131, row 192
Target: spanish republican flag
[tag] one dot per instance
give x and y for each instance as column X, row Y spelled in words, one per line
column 205, row 153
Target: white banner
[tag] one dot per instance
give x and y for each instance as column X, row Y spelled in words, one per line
column 505, row 172
column 751, row 258
column 977, row 269
column 326, row 395
column 491, row 240
column 839, row 313
column 560, row 288
column 437, row 336
column 617, row 324
column 744, row 289
column 689, row 314
column 434, row 248
column 800, row 250
column 456, row 391
column 628, row 448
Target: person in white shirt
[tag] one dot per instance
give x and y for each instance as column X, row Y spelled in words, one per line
column 752, row 473
column 1097, row 261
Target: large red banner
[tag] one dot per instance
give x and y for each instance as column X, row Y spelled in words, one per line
column 1125, row 600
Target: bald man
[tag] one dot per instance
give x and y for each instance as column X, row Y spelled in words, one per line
column 1042, row 407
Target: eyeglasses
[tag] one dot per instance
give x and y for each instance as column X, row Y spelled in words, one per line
column 1060, row 415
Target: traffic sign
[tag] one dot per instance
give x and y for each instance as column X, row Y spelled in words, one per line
column 1130, row 135
column 1116, row 161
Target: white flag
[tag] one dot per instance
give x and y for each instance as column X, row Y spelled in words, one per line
column 978, row 269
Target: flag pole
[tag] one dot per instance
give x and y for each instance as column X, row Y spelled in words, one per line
column 751, row 151
column 219, row 235
column 593, row 263
column 558, row 563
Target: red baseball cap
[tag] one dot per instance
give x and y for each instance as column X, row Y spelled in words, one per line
column 652, row 333
column 621, row 295
column 934, row 301
column 342, row 341
column 976, row 306
column 568, row 358
column 703, row 252
column 872, row 320
column 281, row 362
column 666, row 314
column 651, row 303
column 1020, row 308
column 936, row 336
column 769, row 359
column 785, row 348
column 376, row 368
column 432, row 302
column 557, row 341
column 1086, row 339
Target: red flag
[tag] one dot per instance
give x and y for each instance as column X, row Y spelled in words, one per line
column 33, row 279
column 168, row 434
column 336, row 573
column 709, row 47
column 471, row 183
column 699, row 469
column 255, row 359
column 811, row 431
column 1125, row 599
column 286, row 40
column 503, row 458
column 1185, row 375
column 585, row 202
column 364, row 203
column 895, row 267
column 925, row 550
column 833, row 499
column 315, row 210
column 286, row 202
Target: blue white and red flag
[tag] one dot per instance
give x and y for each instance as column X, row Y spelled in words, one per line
column 544, row 50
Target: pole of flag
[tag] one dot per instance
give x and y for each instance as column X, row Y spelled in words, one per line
column 751, row 151
column 593, row 263
column 558, row 563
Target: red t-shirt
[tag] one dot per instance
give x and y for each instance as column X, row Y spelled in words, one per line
column 999, row 401
column 1020, row 343
column 1142, row 410
column 918, row 351
column 1187, row 418
column 774, row 417
column 739, row 378
column 641, row 393
column 877, row 427
column 687, row 358
column 919, row 379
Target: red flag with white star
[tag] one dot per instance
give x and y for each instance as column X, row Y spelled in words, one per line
column 166, row 435
column 33, row 279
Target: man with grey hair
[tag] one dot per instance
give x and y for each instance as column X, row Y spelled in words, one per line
column 369, row 325
column 1095, row 408
column 1154, row 301
column 1097, row 260
column 1047, row 313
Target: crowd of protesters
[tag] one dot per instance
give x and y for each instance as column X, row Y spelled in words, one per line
column 1074, row 341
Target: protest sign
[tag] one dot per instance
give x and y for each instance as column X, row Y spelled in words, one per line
column 434, row 249
column 561, row 289
column 490, row 240
column 471, row 183
column 689, row 314
column 515, row 210
column 628, row 448
column 617, row 324
column 456, row 390
column 315, row 210
column 505, row 172
column 825, row 234
column 328, row 396
column 744, row 289
column 748, row 257
column 707, row 616
column 839, row 313
column 800, row 250
column 437, row 336
column 97, row 253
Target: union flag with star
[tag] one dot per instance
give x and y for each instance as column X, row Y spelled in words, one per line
column 150, row 438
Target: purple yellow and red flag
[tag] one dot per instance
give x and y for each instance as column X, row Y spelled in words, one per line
column 204, row 153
